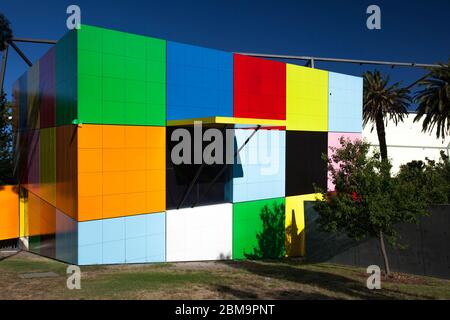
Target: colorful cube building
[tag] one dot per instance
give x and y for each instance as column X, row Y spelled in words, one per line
column 95, row 116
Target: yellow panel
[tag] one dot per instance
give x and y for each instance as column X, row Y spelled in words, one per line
column 295, row 223
column 306, row 99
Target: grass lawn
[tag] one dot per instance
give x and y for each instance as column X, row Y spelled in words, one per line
column 208, row 280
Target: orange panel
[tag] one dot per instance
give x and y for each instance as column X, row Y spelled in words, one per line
column 156, row 137
column 114, row 136
column 135, row 159
column 135, row 203
column 114, row 206
column 156, row 180
column 155, row 159
column 114, row 182
column 90, row 160
column 113, row 160
column 156, row 201
column 90, row 208
column 135, row 181
column 90, row 184
column 47, row 218
column 33, row 214
column 9, row 217
column 135, row 137
column 90, row 136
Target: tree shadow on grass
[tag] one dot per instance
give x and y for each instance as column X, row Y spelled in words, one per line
column 333, row 283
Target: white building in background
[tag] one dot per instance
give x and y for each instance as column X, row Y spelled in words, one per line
column 406, row 142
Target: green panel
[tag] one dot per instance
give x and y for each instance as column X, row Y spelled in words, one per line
column 66, row 79
column 124, row 82
column 90, row 38
column 253, row 237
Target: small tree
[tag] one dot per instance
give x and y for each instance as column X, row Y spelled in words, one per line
column 6, row 143
column 367, row 201
column 5, row 32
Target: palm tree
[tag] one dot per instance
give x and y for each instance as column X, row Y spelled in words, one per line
column 434, row 101
column 383, row 101
column 5, row 32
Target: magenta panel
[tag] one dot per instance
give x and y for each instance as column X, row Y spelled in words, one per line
column 333, row 142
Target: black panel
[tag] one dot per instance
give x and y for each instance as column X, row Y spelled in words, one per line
column 179, row 177
column 304, row 163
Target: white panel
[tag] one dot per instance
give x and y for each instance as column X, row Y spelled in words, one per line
column 201, row 233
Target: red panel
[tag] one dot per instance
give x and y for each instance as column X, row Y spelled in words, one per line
column 259, row 88
column 47, row 89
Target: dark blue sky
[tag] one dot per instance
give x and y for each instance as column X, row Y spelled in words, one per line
column 417, row 31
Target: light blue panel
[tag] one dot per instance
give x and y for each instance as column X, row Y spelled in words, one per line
column 114, row 252
column 156, row 237
column 345, row 103
column 113, row 229
column 90, row 254
column 90, row 242
column 135, row 242
column 261, row 172
column 199, row 82
column 136, row 250
column 90, row 232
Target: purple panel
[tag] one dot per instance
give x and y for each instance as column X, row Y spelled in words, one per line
column 47, row 89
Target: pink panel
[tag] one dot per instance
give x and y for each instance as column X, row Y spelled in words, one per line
column 333, row 142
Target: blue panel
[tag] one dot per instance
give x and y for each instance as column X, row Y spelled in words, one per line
column 199, row 82
column 114, row 252
column 345, row 103
column 261, row 171
column 156, row 237
column 135, row 226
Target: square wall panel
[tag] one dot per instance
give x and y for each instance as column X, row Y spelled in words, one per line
column 295, row 224
column 66, row 170
column 33, row 97
column 345, row 103
column 66, row 79
column 259, row 88
column 121, row 78
column 66, row 238
column 47, row 89
column 304, row 164
column 121, row 171
column 307, row 99
column 200, row 233
column 333, row 142
column 259, row 171
column 132, row 239
column 254, row 234
column 47, row 163
column 199, row 82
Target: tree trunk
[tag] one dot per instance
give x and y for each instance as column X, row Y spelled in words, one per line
column 387, row 269
column 381, row 136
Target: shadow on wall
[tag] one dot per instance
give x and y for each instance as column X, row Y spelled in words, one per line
column 271, row 239
column 294, row 241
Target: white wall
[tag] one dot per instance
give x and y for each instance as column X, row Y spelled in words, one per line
column 200, row 233
column 407, row 142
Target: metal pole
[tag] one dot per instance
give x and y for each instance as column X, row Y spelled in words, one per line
column 44, row 41
column 20, row 53
column 3, row 70
column 375, row 62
